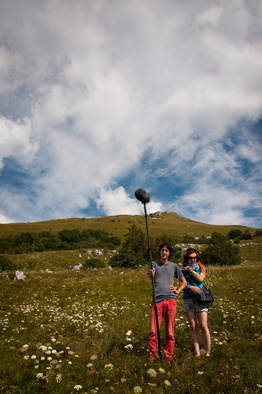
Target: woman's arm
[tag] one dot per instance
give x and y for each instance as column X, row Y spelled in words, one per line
column 199, row 277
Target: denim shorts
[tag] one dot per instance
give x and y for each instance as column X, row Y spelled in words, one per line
column 191, row 305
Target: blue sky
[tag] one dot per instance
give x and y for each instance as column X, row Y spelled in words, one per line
column 100, row 98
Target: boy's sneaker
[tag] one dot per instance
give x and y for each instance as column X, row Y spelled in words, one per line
column 168, row 358
column 153, row 355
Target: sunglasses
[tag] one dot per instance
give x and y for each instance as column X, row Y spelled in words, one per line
column 192, row 258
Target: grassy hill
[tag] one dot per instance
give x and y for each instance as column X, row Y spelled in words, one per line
column 168, row 223
column 160, row 223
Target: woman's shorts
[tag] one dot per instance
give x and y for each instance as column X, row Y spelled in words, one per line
column 191, row 305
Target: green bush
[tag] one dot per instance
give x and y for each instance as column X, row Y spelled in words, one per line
column 94, row 263
column 6, row 264
column 220, row 251
column 127, row 260
column 235, row 233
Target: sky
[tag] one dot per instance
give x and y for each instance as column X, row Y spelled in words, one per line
column 101, row 97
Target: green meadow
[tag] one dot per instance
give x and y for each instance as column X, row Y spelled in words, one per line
column 66, row 331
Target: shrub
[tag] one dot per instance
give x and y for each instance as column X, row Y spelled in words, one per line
column 127, row 260
column 6, row 264
column 220, row 251
column 94, row 263
column 235, row 233
column 247, row 235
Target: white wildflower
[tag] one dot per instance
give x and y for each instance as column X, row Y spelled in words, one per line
column 167, row 383
column 152, row 373
column 137, row 390
column 109, row 366
column 58, row 378
column 78, row 387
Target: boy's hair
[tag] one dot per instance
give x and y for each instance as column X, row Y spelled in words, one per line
column 168, row 246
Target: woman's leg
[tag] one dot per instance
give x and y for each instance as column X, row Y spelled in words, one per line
column 191, row 317
column 202, row 318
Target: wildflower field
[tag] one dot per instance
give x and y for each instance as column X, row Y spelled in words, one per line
column 86, row 332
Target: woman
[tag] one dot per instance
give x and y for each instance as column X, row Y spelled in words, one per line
column 195, row 274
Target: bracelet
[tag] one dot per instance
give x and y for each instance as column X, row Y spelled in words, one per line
column 191, row 270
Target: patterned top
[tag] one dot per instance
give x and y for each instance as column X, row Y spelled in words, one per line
column 191, row 281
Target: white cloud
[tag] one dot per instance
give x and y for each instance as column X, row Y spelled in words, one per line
column 4, row 219
column 16, row 141
column 86, row 96
column 117, row 201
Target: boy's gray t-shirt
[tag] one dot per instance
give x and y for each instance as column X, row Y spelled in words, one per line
column 164, row 277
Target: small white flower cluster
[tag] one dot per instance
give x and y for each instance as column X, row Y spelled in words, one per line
column 78, row 387
column 137, row 390
column 109, row 366
column 129, row 346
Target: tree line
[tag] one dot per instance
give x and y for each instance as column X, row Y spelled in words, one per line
column 27, row 242
column 218, row 250
column 133, row 252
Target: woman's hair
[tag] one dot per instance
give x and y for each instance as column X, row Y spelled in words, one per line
column 166, row 245
column 189, row 251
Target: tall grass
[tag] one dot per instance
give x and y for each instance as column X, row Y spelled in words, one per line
column 86, row 332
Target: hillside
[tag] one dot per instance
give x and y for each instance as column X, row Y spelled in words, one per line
column 160, row 223
column 168, row 223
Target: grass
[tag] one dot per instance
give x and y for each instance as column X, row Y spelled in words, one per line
column 168, row 223
column 86, row 332
column 64, row 331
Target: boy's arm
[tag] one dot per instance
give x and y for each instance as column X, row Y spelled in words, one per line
column 182, row 284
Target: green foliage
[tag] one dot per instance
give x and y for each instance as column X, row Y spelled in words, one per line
column 236, row 234
column 135, row 240
column 94, row 263
column 247, row 235
column 127, row 260
column 220, row 251
column 114, row 240
column 70, row 236
column 133, row 252
column 67, row 239
column 6, row 264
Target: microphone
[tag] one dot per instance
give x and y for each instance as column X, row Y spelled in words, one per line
column 142, row 196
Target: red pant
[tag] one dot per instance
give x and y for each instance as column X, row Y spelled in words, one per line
column 166, row 309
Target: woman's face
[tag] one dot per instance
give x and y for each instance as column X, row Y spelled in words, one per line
column 192, row 258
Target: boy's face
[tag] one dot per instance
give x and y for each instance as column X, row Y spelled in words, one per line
column 164, row 252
